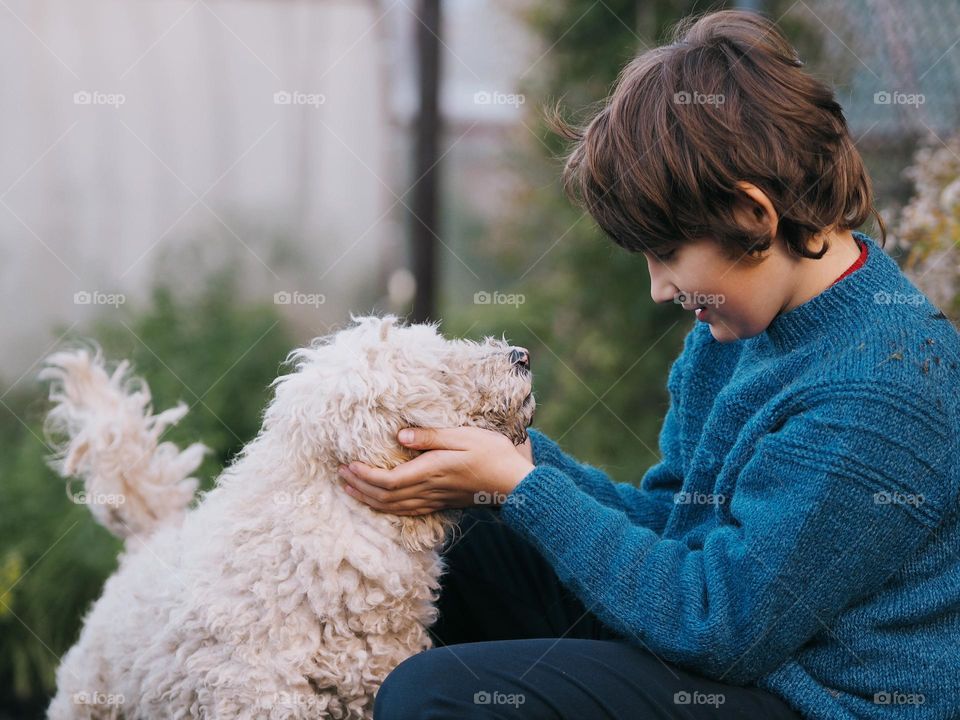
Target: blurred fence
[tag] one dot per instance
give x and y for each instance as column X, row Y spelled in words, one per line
column 132, row 127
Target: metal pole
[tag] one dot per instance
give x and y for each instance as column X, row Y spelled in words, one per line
column 427, row 129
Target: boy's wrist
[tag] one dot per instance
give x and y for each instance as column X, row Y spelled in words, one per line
column 516, row 471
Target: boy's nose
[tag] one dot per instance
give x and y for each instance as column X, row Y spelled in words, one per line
column 662, row 282
column 662, row 292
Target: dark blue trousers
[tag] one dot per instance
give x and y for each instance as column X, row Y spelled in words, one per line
column 513, row 642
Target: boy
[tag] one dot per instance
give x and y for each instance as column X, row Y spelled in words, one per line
column 796, row 552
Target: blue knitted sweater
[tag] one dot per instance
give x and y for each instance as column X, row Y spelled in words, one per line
column 801, row 532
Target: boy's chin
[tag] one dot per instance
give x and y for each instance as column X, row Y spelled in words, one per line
column 722, row 334
column 726, row 332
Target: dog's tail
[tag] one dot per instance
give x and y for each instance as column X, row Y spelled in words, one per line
column 104, row 432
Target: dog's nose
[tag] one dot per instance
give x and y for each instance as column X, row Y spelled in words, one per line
column 520, row 357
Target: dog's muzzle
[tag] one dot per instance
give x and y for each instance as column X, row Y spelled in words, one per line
column 520, row 359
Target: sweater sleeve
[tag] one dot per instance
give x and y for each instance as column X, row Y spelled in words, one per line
column 822, row 513
column 649, row 504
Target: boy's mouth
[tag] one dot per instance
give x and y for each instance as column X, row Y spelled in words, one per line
column 700, row 311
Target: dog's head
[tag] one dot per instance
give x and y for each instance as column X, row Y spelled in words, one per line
column 353, row 390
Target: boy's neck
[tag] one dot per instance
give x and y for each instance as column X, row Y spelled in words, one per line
column 815, row 276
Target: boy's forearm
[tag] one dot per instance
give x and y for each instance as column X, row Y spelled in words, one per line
column 648, row 509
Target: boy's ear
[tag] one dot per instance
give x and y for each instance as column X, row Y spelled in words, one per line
column 754, row 211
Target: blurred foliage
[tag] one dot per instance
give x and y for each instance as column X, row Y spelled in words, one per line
column 927, row 228
column 216, row 354
column 600, row 347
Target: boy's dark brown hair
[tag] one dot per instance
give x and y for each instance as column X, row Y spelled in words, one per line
column 725, row 101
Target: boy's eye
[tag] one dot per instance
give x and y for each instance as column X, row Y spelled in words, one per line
column 666, row 255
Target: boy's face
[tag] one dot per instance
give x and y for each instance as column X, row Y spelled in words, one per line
column 740, row 300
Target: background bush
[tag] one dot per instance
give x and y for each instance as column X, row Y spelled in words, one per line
column 204, row 348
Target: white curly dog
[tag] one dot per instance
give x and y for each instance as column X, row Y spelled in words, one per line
column 278, row 595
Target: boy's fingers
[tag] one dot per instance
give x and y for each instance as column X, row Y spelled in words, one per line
column 357, row 486
column 369, row 480
column 387, row 501
column 432, row 438
column 403, row 476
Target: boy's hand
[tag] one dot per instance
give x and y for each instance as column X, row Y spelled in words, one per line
column 463, row 467
column 526, row 449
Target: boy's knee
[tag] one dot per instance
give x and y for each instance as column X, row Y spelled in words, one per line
column 413, row 688
column 436, row 684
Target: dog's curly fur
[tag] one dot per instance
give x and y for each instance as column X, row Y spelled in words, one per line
column 278, row 595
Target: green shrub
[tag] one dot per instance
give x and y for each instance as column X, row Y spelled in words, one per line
column 216, row 354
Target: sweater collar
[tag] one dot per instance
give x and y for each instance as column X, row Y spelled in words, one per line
column 842, row 307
